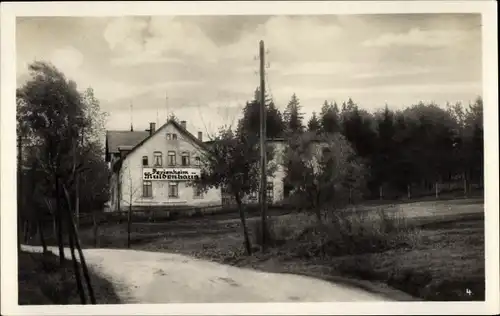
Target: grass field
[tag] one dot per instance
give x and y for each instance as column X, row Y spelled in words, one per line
column 43, row 282
column 441, row 258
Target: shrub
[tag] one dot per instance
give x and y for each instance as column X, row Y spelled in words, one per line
column 367, row 232
column 281, row 229
column 344, row 233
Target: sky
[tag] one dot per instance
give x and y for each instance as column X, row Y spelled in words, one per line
column 204, row 68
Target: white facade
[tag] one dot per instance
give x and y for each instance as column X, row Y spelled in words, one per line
column 128, row 185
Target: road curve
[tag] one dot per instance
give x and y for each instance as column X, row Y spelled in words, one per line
column 158, row 277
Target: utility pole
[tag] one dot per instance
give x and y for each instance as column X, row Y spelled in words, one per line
column 131, row 118
column 263, row 179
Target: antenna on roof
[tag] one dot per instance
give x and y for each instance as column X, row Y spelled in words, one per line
column 131, row 117
column 157, row 117
column 166, row 105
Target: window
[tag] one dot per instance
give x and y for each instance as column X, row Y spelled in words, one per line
column 185, row 159
column 197, row 161
column 147, row 189
column 158, row 159
column 171, row 158
column 197, row 192
column 173, row 189
column 145, row 161
column 270, row 191
column 171, row 136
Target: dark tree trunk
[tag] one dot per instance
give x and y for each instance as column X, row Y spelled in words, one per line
column 54, row 225
column 42, row 236
column 129, row 224
column 59, row 223
column 248, row 246
column 94, row 219
column 79, row 283
column 317, row 206
column 25, row 231
column 73, row 232
column 317, row 210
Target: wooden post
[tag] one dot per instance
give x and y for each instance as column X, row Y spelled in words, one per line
column 408, row 189
column 263, row 179
column 437, row 190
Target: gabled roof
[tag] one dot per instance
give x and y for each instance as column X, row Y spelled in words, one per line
column 136, row 140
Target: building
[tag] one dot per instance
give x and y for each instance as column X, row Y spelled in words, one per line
column 276, row 190
column 152, row 169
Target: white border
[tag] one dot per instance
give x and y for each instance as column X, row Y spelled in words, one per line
column 8, row 149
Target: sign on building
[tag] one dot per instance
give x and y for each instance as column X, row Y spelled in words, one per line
column 170, row 174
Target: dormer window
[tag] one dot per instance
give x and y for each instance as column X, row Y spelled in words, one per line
column 145, row 161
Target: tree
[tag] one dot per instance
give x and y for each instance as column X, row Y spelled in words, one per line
column 474, row 139
column 293, row 117
column 231, row 163
column 62, row 129
column 250, row 122
column 51, row 107
column 323, row 169
column 329, row 118
column 314, row 124
column 383, row 160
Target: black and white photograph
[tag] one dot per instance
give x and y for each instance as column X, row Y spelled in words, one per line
column 182, row 158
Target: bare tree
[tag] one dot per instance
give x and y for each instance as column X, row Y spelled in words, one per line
column 133, row 188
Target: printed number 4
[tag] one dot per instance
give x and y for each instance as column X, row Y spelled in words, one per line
column 468, row 292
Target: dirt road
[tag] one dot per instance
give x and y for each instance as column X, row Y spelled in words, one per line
column 157, row 277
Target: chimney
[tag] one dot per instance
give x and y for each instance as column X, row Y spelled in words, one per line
column 183, row 124
column 200, row 136
column 152, row 128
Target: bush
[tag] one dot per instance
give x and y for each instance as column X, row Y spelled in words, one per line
column 343, row 233
column 280, row 229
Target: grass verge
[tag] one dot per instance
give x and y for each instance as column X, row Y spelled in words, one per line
column 43, row 282
column 438, row 261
